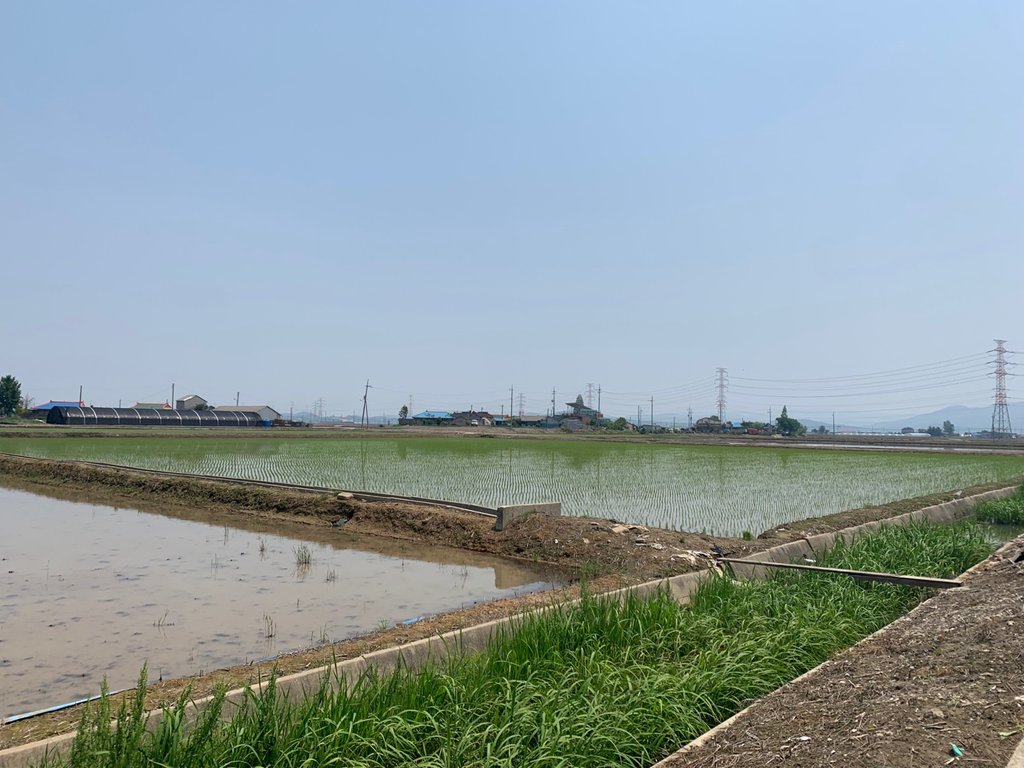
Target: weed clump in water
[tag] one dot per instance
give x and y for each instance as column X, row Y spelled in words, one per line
column 1008, row 511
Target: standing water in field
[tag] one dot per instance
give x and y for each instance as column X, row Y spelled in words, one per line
column 89, row 591
column 723, row 490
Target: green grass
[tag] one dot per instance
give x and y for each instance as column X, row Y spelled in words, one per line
column 1008, row 511
column 721, row 489
column 598, row 683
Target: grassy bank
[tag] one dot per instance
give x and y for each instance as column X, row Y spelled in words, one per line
column 598, row 683
column 1008, row 511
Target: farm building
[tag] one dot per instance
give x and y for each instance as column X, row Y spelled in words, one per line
column 429, row 419
column 264, row 413
column 41, row 411
column 150, row 417
column 472, row 419
column 191, row 403
column 152, row 405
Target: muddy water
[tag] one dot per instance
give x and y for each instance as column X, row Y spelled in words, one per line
column 89, row 591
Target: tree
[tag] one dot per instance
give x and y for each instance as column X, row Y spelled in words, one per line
column 10, row 395
column 403, row 412
column 788, row 426
column 948, row 429
column 619, row 424
column 934, row 431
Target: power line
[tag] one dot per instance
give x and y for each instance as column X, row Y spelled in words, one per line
column 937, row 364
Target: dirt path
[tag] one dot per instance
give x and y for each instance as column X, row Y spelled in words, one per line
column 949, row 672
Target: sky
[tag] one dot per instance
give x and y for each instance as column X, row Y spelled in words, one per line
column 453, row 199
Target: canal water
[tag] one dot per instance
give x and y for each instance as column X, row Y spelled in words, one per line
column 89, row 592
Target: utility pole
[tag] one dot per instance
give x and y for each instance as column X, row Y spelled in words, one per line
column 552, row 402
column 689, row 418
column 237, row 395
column 599, row 399
column 722, row 383
column 172, row 394
column 80, row 401
column 511, row 406
column 366, row 413
column 833, row 423
column 291, row 412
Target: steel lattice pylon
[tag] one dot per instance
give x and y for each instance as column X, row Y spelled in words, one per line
column 1000, row 412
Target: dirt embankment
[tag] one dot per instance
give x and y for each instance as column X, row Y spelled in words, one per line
column 610, row 554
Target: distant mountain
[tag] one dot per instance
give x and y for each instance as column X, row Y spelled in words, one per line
column 965, row 419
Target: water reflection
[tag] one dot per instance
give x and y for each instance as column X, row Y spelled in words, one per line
column 99, row 591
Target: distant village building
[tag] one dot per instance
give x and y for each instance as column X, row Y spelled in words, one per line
column 708, row 424
column 152, row 405
column 584, row 414
column 191, row 403
column 528, row 420
column 429, row 419
column 472, row 419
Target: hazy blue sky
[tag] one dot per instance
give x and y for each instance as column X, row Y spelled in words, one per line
column 453, row 198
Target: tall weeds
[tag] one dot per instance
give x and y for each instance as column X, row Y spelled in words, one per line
column 1008, row 511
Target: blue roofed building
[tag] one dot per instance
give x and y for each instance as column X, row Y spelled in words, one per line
column 429, row 419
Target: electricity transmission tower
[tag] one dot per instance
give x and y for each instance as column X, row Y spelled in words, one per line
column 590, row 395
column 522, row 404
column 1000, row 412
column 366, row 411
column 723, row 382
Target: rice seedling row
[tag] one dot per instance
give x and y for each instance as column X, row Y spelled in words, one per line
column 598, row 683
column 719, row 489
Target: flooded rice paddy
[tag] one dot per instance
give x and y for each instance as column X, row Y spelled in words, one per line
column 89, row 592
column 722, row 490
